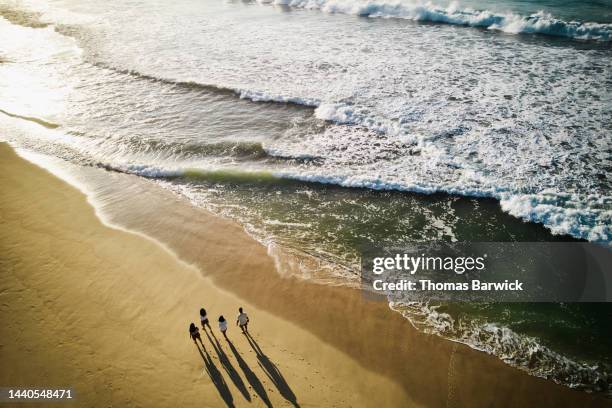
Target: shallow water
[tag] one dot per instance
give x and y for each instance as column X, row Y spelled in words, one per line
column 321, row 130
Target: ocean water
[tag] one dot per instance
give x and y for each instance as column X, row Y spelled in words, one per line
column 326, row 125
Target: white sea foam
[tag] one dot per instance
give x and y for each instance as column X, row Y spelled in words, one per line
column 519, row 350
column 427, row 11
column 261, row 96
column 564, row 214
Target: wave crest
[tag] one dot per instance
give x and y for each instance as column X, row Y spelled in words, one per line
column 537, row 23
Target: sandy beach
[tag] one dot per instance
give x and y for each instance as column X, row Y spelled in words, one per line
column 105, row 311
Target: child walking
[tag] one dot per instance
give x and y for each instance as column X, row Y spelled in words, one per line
column 242, row 321
column 223, row 326
column 204, row 319
column 194, row 333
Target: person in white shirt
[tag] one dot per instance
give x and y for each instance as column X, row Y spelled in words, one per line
column 204, row 319
column 223, row 326
column 243, row 321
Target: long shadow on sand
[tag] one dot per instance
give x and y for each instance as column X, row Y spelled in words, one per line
column 273, row 372
column 251, row 377
column 228, row 367
column 216, row 377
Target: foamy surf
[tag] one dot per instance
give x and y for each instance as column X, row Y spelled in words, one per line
column 562, row 214
column 537, row 23
column 518, row 350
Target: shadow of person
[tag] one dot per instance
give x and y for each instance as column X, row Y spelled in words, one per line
column 272, row 372
column 229, row 368
column 251, row 377
column 202, row 344
column 216, row 377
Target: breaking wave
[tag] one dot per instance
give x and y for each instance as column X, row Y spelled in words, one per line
column 252, row 95
column 562, row 214
column 538, row 23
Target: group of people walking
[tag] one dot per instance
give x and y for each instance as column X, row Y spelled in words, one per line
column 242, row 321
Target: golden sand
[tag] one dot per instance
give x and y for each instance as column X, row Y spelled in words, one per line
column 106, row 312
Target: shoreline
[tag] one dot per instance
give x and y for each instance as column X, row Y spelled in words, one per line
column 412, row 368
column 106, row 312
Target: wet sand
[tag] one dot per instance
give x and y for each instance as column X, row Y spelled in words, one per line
column 106, row 312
